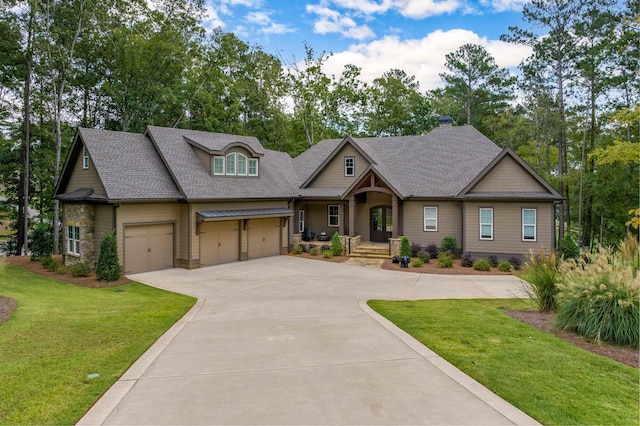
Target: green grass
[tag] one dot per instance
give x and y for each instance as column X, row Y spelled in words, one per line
column 551, row 380
column 61, row 333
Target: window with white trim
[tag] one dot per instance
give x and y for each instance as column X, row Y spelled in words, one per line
column 349, row 166
column 73, row 240
column 334, row 216
column 529, row 222
column 218, row 165
column 85, row 157
column 301, row 220
column 431, row 219
column 242, row 165
column 486, row 224
column 253, row 167
column 231, row 164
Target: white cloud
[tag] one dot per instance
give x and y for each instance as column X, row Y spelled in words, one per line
column 331, row 21
column 254, row 4
column 259, row 18
column 275, row 28
column 418, row 9
column 504, row 5
column 211, row 19
column 423, row 57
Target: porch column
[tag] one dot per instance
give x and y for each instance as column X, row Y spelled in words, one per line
column 352, row 215
column 341, row 219
column 394, row 215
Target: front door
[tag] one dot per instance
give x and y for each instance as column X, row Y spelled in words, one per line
column 381, row 224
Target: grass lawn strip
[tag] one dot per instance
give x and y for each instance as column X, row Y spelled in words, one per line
column 547, row 378
column 61, row 333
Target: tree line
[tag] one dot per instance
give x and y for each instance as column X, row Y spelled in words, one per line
column 572, row 112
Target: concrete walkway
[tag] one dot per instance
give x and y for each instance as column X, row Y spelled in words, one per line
column 285, row 340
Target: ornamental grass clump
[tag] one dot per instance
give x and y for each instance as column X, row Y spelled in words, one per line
column 599, row 296
column 542, row 275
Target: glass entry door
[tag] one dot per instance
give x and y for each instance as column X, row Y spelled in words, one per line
column 381, row 225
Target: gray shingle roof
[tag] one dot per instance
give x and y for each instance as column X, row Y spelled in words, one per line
column 128, row 165
column 275, row 171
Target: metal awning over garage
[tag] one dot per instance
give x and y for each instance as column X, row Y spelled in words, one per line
column 218, row 215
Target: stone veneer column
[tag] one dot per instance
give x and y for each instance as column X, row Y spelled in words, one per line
column 395, row 246
column 82, row 216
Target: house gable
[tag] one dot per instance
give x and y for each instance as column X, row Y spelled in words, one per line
column 508, row 176
column 331, row 172
column 75, row 175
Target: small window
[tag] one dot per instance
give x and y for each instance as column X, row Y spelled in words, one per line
column 242, row 165
column 349, row 166
column 528, row 224
column 73, row 240
column 486, row 224
column 85, row 157
column 218, row 165
column 253, row 167
column 430, row 218
column 301, row 220
column 231, row 164
column 334, row 217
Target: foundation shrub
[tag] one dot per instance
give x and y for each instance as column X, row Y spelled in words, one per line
column 449, row 244
column 541, row 271
column 108, row 267
column 445, row 260
column 415, row 249
column 336, row 244
column 417, row 263
column 424, row 256
column 49, row 263
column 297, row 249
column 405, row 247
column 599, row 295
column 466, row 260
column 327, row 254
column 516, row 262
column 493, row 261
column 80, row 269
column 433, row 251
column 505, row 266
column 481, row 265
column 314, row 251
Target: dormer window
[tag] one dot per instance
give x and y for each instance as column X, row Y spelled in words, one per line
column 85, row 158
column 234, row 164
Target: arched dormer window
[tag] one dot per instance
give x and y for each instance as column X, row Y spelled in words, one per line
column 231, row 164
column 242, row 165
column 234, row 164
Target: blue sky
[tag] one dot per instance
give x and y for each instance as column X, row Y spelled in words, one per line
column 376, row 35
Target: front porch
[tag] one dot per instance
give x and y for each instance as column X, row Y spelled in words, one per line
column 355, row 247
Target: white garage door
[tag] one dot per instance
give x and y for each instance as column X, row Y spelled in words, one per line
column 264, row 237
column 148, row 247
column 219, row 242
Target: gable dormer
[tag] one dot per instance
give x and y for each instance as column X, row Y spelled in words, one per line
column 233, row 159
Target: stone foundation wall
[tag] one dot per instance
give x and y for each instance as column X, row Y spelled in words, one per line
column 395, row 246
column 82, row 216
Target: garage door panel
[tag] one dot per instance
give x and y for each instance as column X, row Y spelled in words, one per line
column 148, row 247
column 219, row 242
column 264, row 238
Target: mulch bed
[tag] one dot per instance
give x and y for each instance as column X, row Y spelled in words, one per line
column 541, row 320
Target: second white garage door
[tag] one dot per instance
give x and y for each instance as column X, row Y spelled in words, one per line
column 219, row 242
column 264, row 237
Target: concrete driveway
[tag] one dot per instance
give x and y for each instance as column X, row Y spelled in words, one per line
column 285, row 340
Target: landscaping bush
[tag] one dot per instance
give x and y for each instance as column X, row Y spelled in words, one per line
column 542, row 273
column 297, row 249
column 327, row 254
column 569, row 248
column 108, row 267
column 41, row 240
column 424, row 256
column 325, row 247
column 417, row 263
column 466, row 260
column 314, row 251
column 49, row 263
column 415, row 249
column 433, row 251
column 445, row 260
column 516, row 262
column 481, row 265
column 336, row 244
column 505, row 266
column 80, row 269
column 405, row 247
column 599, row 296
column 493, row 261
column 449, row 244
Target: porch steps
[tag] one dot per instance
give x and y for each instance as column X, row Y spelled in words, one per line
column 371, row 250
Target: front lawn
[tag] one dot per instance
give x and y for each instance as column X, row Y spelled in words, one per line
column 546, row 377
column 65, row 345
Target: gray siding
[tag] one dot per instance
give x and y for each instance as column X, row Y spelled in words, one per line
column 332, row 176
column 508, row 176
column 103, row 224
column 84, row 178
column 449, row 222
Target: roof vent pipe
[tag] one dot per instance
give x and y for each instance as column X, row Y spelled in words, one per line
column 445, row 120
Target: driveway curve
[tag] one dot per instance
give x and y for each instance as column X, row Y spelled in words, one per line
column 285, row 340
